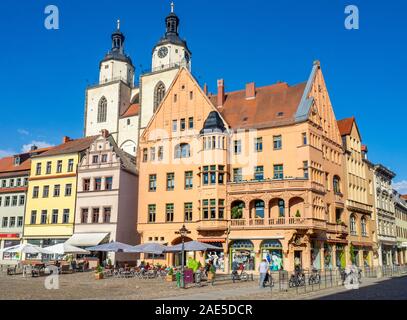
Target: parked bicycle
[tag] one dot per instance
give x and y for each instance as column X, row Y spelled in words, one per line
column 242, row 276
column 297, row 279
column 315, row 277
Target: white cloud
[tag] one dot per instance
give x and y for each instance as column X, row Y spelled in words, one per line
column 23, row 132
column 39, row 144
column 6, row 153
column 401, row 186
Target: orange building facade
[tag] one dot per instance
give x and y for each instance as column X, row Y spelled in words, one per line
column 258, row 173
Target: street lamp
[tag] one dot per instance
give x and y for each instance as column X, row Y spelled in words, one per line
column 183, row 232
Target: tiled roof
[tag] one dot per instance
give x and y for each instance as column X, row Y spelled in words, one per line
column 71, row 146
column 345, row 126
column 404, row 196
column 272, row 106
column 133, row 110
column 7, row 163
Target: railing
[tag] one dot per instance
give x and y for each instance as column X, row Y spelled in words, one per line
column 358, row 205
column 166, row 66
column 213, row 225
column 277, row 222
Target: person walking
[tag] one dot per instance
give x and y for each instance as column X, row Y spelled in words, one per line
column 263, row 269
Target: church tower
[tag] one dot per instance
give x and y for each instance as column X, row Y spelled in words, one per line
column 109, row 100
column 168, row 56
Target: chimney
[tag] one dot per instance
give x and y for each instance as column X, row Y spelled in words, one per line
column 250, row 91
column 105, row 133
column 66, row 139
column 206, row 89
column 221, row 92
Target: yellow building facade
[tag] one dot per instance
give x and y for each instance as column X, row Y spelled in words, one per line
column 50, row 211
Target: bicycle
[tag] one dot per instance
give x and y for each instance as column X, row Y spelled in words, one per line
column 243, row 276
column 314, row 278
column 268, row 281
column 297, row 280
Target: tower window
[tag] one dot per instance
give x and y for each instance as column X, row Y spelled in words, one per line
column 159, row 93
column 102, row 110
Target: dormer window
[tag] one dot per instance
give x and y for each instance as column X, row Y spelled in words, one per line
column 17, row 160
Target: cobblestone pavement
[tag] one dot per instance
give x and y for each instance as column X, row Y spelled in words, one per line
column 84, row 286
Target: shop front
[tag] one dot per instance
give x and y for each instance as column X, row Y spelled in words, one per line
column 328, row 256
column 8, row 243
column 316, row 255
column 272, row 251
column 340, row 256
column 216, row 256
column 243, row 252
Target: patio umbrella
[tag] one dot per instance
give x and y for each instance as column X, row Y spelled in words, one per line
column 192, row 246
column 112, row 247
column 26, row 248
column 152, row 248
column 65, row 248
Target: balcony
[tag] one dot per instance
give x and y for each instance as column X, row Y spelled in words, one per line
column 212, row 225
column 358, row 206
column 277, row 223
column 337, row 228
column 271, row 184
column 339, row 200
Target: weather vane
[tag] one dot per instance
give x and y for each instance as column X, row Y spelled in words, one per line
column 172, row 6
column 118, row 24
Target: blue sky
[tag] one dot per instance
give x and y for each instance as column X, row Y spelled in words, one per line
column 45, row 73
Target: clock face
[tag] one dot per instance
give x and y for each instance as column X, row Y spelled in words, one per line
column 162, row 53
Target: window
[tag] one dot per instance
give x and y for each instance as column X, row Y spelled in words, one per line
column 281, row 208
column 19, row 221
column 65, row 217
column 95, row 159
column 49, row 167
column 38, row 169
column 159, row 93
column 364, row 227
column 152, row 154
column 151, row 213
column 213, row 174
column 84, row 215
column 11, row 183
column 86, row 184
column 70, row 165
column 277, row 143
column 12, row 222
column 259, row 173
column 1, row 199
column 45, row 192
column 212, row 208
column 5, row 222
column 182, row 125
column 109, row 183
column 98, row 184
column 18, row 182
column 36, row 191
column 306, row 170
column 336, row 184
column 175, row 97
column 59, row 166
column 188, row 180
column 128, row 122
column 278, row 171
column 54, row 216
column 221, row 174
column 304, row 138
column 258, row 144
column 7, row 202
column 44, row 217
column 33, row 217
column 191, row 95
column 104, row 158
column 259, row 209
column 191, row 123
column 205, row 175
column 174, row 125
column 182, row 151
column 170, row 181
column 25, row 181
column 14, row 201
column 57, row 190
column 169, row 212
column 353, row 225
column 68, row 190
column 160, row 153
column 221, row 209
column 237, row 146
column 107, row 212
column 237, row 175
column 188, row 211
column 205, row 209
column 145, row 155
column 3, row 183
column 152, row 183
column 102, row 110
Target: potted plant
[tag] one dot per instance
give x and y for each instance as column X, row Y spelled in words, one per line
column 298, row 214
column 170, row 275
column 212, row 273
column 99, row 273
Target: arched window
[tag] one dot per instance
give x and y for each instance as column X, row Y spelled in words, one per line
column 352, row 225
column 182, row 150
column 364, row 226
column 281, row 208
column 337, row 184
column 159, row 93
column 259, row 209
column 102, row 110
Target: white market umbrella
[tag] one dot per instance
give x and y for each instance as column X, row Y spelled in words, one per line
column 152, row 248
column 26, row 248
column 192, row 246
column 65, row 248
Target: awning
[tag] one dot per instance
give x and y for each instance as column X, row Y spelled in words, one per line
column 212, row 240
column 87, row 239
column 362, row 244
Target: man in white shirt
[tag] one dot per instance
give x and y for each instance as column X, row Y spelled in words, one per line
column 263, row 269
